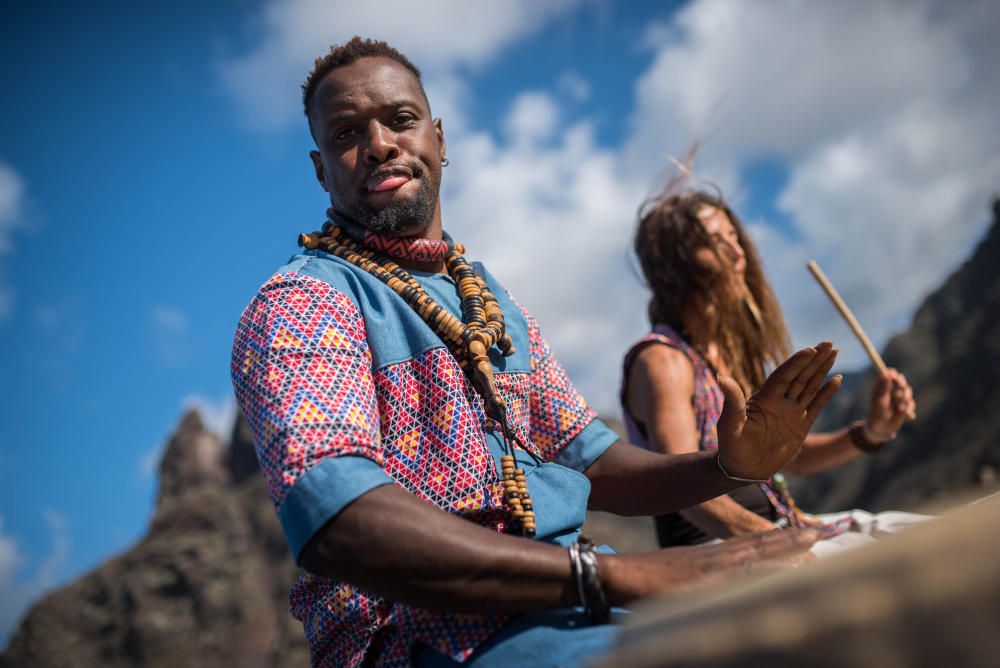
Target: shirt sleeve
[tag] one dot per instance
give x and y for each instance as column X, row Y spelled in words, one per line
column 301, row 370
column 562, row 426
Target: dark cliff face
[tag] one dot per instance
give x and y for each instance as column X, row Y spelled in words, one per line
column 951, row 356
column 207, row 586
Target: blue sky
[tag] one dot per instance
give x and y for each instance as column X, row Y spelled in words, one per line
column 153, row 172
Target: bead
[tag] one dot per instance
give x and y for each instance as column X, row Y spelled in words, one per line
column 310, row 241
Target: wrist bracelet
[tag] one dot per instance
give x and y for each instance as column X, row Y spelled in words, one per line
column 718, row 461
column 583, row 560
column 879, row 436
column 860, row 440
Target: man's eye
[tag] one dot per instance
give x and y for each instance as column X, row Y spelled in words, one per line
column 402, row 119
column 342, row 135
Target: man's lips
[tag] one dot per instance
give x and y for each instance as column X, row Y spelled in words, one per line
column 388, row 179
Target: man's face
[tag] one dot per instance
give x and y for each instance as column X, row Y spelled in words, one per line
column 379, row 151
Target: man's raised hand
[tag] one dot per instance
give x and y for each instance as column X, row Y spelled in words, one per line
column 759, row 435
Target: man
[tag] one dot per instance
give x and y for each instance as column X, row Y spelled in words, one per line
column 378, row 454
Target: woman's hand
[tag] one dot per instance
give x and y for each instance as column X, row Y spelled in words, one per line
column 758, row 436
column 891, row 405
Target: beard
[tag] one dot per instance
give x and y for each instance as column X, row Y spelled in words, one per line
column 413, row 214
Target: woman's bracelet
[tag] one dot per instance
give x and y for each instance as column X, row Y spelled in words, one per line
column 859, row 433
column 718, row 462
column 583, row 560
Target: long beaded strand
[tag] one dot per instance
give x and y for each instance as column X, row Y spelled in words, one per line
column 469, row 339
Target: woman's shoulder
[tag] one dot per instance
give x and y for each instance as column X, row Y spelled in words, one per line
column 672, row 346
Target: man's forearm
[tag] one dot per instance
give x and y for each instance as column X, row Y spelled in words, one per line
column 724, row 518
column 392, row 544
column 405, row 549
column 627, row 480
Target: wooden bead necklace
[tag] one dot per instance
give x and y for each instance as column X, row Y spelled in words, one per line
column 469, row 339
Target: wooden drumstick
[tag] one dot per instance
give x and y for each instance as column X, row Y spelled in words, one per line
column 849, row 318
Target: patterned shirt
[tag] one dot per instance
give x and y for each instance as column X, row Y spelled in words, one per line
column 345, row 388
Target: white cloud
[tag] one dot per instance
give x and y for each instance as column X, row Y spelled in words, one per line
column 438, row 35
column 885, row 115
column 17, row 591
column 572, row 86
column 11, row 559
column 532, row 118
column 218, row 415
column 169, row 320
column 149, row 461
column 12, row 204
column 169, row 334
column 549, row 221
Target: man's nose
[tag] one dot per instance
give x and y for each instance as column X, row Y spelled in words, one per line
column 382, row 145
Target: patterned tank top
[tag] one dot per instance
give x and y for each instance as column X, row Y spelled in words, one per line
column 707, row 402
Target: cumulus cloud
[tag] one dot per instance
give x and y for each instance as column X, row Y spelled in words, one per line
column 11, row 558
column 218, row 414
column 169, row 334
column 12, row 203
column 551, row 220
column 884, row 115
column 438, row 35
column 18, row 590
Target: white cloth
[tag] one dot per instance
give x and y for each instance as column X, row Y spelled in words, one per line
column 866, row 529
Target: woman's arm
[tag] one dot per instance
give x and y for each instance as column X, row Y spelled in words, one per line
column 891, row 403
column 658, row 394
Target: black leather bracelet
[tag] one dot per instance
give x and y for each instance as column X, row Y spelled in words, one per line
column 860, row 441
column 583, row 558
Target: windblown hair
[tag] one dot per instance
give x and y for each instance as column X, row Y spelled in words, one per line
column 751, row 335
column 345, row 54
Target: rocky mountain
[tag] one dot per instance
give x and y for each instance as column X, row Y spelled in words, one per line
column 207, row 586
column 951, row 357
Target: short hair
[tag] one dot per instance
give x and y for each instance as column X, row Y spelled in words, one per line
column 347, row 53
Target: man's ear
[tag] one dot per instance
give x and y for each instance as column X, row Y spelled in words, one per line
column 317, row 161
column 439, row 131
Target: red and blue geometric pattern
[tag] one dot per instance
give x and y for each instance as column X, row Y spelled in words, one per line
column 303, row 376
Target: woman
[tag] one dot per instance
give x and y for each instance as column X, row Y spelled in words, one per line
column 713, row 314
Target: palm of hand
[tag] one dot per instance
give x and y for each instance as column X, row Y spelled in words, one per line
column 771, row 435
column 759, row 437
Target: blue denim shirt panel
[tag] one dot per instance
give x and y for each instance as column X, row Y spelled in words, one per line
column 396, row 332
